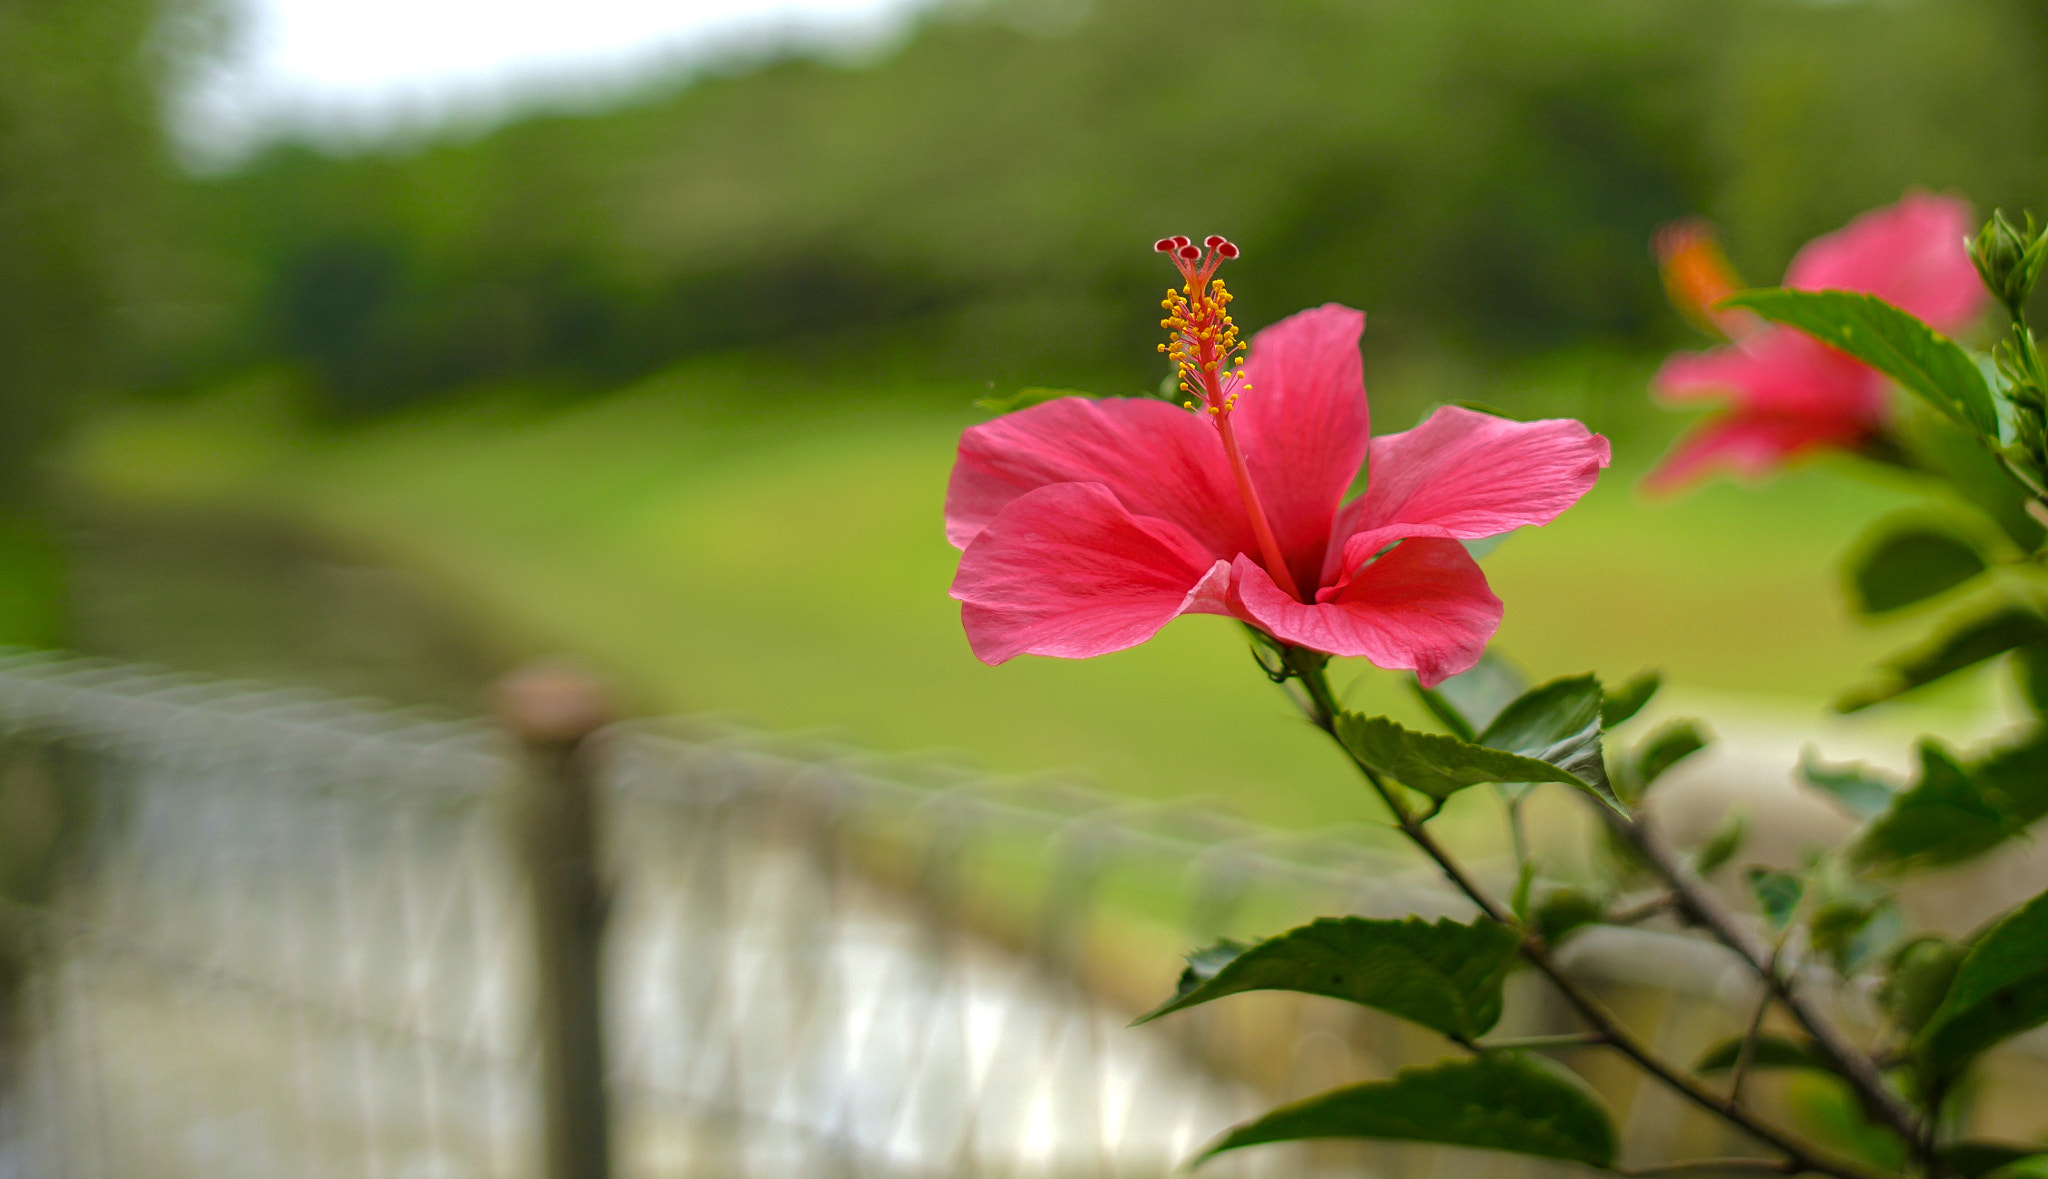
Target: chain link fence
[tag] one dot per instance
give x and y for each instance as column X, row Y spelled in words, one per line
column 252, row 932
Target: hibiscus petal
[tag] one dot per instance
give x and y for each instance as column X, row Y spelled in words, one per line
column 1160, row 460
column 1067, row 570
column 1422, row 606
column 1910, row 254
column 1304, row 425
column 1467, row 474
column 1780, row 372
column 1749, row 445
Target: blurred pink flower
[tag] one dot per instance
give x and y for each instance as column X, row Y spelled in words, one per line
column 1787, row 392
column 1089, row 525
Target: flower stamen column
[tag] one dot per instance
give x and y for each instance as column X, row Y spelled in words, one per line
column 1204, row 347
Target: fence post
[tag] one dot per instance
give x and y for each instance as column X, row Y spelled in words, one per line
column 554, row 711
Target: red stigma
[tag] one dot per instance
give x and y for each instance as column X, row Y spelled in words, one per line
column 1197, row 263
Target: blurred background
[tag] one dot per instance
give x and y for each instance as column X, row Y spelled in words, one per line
column 383, row 347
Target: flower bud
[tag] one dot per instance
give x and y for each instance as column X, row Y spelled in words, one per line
column 2009, row 258
column 2023, row 382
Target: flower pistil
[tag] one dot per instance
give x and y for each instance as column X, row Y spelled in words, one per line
column 1205, row 345
column 1209, row 357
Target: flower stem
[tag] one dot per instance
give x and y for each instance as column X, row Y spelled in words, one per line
column 1311, row 667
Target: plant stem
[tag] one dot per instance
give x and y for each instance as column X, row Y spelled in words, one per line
column 1703, row 906
column 1311, row 668
column 1747, row 1056
column 1539, row 1043
column 1518, row 831
column 1641, row 910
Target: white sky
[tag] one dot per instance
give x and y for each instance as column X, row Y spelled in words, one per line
column 364, row 67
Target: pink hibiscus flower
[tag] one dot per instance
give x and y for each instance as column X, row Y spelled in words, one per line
column 1086, row 526
column 1787, row 392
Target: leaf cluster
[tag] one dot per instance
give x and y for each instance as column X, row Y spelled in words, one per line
column 1953, row 810
column 1550, row 733
column 1947, row 1002
column 1446, row 976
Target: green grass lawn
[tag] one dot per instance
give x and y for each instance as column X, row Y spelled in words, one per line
column 723, row 545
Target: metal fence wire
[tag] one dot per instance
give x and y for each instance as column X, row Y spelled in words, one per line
column 254, row 932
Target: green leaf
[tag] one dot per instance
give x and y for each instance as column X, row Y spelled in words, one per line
column 1722, row 844
column 1629, row 700
column 1770, row 1052
column 1976, row 1159
column 1500, row 1101
column 1025, row 399
column 2031, row 1166
column 1956, row 811
column 1203, row 964
column 1444, row 976
column 1965, row 467
column 1667, row 747
column 1558, row 723
column 1855, row 788
column 2015, row 780
column 1943, row 818
column 2030, row 664
column 1479, row 694
column 1849, row 931
column 1917, row 979
column 1777, row 894
column 2000, row 990
column 1436, row 764
column 1966, row 645
column 1565, row 911
column 1827, row 1110
column 1908, row 564
column 1929, row 364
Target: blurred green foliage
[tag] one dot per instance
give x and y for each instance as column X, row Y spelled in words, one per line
column 84, row 180
column 1482, row 178
column 31, row 583
column 85, row 183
